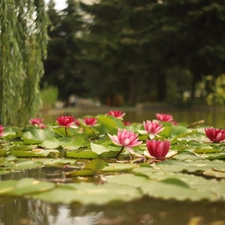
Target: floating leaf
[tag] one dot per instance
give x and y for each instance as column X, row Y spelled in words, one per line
column 37, row 136
column 51, row 143
column 119, row 167
column 72, row 144
column 170, row 191
column 101, row 149
column 110, row 122
column 28, row 185
column 27, row 164
column 87, row 193
column 35, row 153
column 176, row 181
column 178, row 130
column 85, row 154
column 213, row 173
column 96, row 164
column 6, row 186
column 90, row 168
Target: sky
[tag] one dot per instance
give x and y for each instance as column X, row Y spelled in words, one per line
column 61, row 4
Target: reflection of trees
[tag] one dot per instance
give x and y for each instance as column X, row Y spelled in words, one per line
column 23, row 212
column 20, row 211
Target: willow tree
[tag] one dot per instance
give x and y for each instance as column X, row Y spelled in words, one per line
column 23, row 42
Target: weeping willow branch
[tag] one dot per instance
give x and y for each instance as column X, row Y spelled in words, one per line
column 23, row 43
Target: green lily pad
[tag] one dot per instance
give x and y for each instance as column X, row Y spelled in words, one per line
column 82, row 154
column 51, row 143
column 37, row 136
column 25, row 164
column 87, row 193
column 90, row 169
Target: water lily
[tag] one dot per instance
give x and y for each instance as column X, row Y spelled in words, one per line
column 127, row 123
column 215, row 135
column 90, row 121
column 126, row 139
column 116, row 113
column 164, row 117
column 158, row 149
column 77, row 122
column 65, row 121
column 1, row 130
column 151, row 128
column 36, row 121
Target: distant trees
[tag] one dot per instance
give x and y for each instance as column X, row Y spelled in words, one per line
column 23, row 40
column 129, row 50
column 61, row 67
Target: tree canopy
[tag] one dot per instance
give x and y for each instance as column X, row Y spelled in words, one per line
column 23, row 41
column 131, row 49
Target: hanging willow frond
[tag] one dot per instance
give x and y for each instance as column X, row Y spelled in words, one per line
column 23, row 43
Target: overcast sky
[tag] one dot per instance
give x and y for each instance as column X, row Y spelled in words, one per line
column 61, row 4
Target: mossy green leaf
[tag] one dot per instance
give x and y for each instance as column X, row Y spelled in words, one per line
column 86, row 154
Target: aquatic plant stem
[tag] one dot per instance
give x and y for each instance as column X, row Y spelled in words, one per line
column 66, row 131
column 118, row 154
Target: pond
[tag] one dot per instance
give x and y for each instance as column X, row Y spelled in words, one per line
column 146, row 211
column 211, row 116
column 53, row 187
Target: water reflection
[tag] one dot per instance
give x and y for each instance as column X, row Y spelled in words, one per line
column 147, row 211
column 212, row 117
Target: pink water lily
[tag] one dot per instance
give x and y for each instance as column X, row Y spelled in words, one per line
column 164, row 117
column 151, row 128
column 1, row 130
column 158, row 149
column 127, row 123
column 77, row 122
column 36, row 121
column 126, row 139
column 215, row 135
column 65, row 121
column 90, row 121
column 116, row 113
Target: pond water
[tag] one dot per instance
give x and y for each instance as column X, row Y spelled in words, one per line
column 146, row 211
column 211, row 116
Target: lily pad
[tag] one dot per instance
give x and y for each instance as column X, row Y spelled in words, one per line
column 87, row 193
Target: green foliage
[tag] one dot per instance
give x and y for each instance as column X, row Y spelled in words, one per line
column 61, row 66
column 23, row 40
column 49, row 95
column 216, row 94
column 142, row 50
